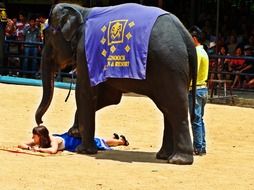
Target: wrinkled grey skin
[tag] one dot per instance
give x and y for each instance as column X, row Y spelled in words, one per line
column 170, row 68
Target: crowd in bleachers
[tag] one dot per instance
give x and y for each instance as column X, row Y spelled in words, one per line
column 28, row 32
column 235, row 39
column 236, row 68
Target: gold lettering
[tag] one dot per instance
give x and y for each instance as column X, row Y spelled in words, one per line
column 116, row 58
column 113, row 63
column 122, row 63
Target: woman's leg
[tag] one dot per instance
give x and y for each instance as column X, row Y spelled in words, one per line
column 237, row 78
column 117, row 142
column 114, row 142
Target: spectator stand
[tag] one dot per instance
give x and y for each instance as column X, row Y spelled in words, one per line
column 221, row 88
column 218, row 88
column 14, row 58
column 13, row 62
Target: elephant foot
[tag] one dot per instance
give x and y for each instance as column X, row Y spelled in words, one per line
column 163, row 155
column 81, row 149
column 181, row 159
column 176, row 158
column 74, row 131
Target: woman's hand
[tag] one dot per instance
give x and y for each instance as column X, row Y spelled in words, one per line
column 36, row 149
column 24, row 146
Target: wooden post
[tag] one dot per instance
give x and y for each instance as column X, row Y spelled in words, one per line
column 192, row 12
column 3, row 21
column 160, row 3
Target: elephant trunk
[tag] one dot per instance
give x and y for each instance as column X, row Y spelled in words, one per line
column 48, row 86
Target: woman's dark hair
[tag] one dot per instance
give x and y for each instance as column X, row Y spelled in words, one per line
column 43, row 133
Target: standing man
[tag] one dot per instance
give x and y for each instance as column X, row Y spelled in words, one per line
column 31, row 34
column 198, row 125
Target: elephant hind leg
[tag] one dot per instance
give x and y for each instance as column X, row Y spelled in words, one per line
column 176, row 148
column 169, row 152
column 167, row 144
column 181, row 159
column 177, row 145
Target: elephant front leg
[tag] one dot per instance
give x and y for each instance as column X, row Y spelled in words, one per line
column 74, row 130
column 87, row 129
column 86, row 122
column 167, row 144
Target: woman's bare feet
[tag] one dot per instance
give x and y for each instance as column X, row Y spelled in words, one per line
column 125, row 141
column 115, row 136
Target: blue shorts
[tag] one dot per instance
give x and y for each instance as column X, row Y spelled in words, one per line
column 71, row 143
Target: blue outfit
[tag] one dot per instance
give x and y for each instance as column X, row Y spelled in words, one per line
column 198, row 126
column 71, row 143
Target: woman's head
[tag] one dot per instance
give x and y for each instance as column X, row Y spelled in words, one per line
column 41, row 136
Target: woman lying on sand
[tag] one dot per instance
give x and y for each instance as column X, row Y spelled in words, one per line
column 43, row 142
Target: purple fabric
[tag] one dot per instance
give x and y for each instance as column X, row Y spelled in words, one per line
column 116, row 41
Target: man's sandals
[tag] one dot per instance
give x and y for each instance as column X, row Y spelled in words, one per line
column 116, row 136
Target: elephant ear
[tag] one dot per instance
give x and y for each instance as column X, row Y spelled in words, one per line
column 70, row 19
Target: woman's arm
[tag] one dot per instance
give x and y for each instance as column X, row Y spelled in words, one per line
column 246, row 68
column 27, row 145
column 52, row 150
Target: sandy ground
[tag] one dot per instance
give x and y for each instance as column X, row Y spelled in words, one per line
column 229, row 163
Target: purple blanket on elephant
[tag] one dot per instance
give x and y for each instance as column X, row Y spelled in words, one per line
column 116, row 41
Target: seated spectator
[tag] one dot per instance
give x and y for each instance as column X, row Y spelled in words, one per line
column 20, row 25
column 232, row 43
column 43, row 23
column 250, row 84
column 10, row 30
column 219, row 66
column 241, row 79
column 211, row 49
column 222, row 62
column 251, row 40
column 236, row 64
column 212, row 61
column 12, row 48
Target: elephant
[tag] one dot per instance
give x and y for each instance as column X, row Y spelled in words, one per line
column 171, row 68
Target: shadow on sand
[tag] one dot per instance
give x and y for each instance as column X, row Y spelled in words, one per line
column 128, row 156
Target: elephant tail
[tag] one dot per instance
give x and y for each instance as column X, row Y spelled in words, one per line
column 193, row 73
column 192, row 55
